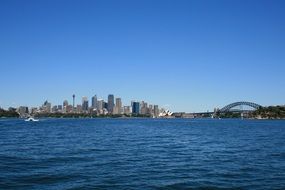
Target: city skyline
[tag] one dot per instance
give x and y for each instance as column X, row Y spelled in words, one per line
column 75, row 100
column 112, row 106
column 189, row 56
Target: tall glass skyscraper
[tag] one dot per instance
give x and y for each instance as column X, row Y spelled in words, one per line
column 136, row 107
column 156, row 111
column 110, row 103
column 85, row 104
column 94, row 101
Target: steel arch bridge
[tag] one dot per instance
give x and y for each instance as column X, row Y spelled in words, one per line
column 243, row 103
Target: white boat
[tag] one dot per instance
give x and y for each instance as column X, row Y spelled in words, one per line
column 31, row 119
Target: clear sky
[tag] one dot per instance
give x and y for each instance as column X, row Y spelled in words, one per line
column 191, row 55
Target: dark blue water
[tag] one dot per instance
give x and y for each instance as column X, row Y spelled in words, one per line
column 142, row 154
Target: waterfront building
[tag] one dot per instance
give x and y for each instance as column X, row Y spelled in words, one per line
column 69, row 108
column 127, row 110
column 132, row 104
column 59, row 107
column 143, row 107
column 92, row 110
column 34, row 110
column 155, row 111
column 118, row 107
column 100, row 105
column 166, row 114
column 150, row 110
column 110, row 103
column 46, row 107
column 65, row 103
column 54, row 109
column 118, row 102
column 94, row 102
column 85, row 104
column 79, row 108
column 64, row 110
column 105, row 105
column 23, row 111
column 136, row 108
column 115, row 110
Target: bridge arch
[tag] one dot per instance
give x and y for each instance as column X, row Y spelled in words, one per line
column 251, row 104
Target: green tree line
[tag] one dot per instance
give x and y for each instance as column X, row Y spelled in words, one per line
column 8, row 113
column 270, row 112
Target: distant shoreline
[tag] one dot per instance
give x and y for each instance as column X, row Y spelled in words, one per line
column 206, row 118
column 262, row 113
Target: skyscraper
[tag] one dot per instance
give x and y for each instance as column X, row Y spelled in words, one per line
column 100, row 105
column 155, row 111
column 110, row 103
column 150, row 109
column 136, row 108
column 118, row 107
column 127, row 109
column 65, row 103
column 79, row 108
column 85, row 104
column 46, row 107
column 94, row 102
column 143, row 107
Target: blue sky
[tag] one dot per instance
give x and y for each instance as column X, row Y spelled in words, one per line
column 191, row 55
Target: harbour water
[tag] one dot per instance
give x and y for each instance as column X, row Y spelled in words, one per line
column 142, row 154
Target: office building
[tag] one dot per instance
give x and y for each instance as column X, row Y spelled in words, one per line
column 94, row 102
column 150, row 109
column 155, row 111
column 118, row 107
column 100, row 105
column 79, row 108
column 143, row 108
column 65, row 103
column 46, row 107
column 136, row 108
column 34, row 110
column 85, row 103
column 54, row 109
column 59, row 108
column 110, row 103
column 127, row 110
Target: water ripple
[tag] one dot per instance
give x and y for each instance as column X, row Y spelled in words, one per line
column 142, row 154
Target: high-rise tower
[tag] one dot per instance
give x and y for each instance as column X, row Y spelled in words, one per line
column 94, row 102
column 73, row 97
column 110, row 103
column 118, row 107
column 85, row 104
column 136, row 108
